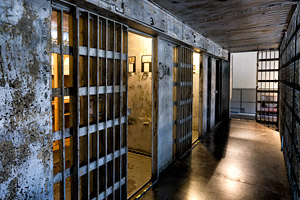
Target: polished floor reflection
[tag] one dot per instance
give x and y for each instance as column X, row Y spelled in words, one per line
column 239, row 160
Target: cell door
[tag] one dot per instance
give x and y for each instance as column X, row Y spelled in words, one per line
column 267, row 87
column 89, row 104
column 184, row 100
column 218, row 91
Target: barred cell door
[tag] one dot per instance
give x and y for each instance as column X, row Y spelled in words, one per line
column 267, row 88
column 89, row 104
column 184, row 100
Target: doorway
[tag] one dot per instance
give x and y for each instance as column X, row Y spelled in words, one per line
column 182, row 100
column 196, row 97
column 140, row 111
column 218, row 91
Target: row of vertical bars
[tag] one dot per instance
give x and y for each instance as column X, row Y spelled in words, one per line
column 184, row 101
column 289, row 122
column 76, row 12
column 267, row 87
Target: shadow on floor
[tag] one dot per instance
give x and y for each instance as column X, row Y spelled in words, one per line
column 217, row 139
column 237, row 160
column 179, row 173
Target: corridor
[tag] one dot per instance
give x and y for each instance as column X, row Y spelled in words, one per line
column 239, row 160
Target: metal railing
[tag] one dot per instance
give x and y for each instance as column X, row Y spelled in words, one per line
column 243, row 101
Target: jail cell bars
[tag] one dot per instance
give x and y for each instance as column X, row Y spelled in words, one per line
column 175, row 77
column 267, row 87
column 89, row 104
column 183, row 99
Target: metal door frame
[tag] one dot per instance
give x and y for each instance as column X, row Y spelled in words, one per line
column 153, row 144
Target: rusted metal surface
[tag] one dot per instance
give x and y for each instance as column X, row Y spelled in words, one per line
column 25, row 109
column 235, row 25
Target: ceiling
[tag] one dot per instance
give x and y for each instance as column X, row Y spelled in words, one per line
column 237, row 25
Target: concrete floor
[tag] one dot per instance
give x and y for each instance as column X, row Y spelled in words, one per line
column 239, row 160
column 139, row 172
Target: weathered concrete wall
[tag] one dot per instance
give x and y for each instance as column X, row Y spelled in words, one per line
column 165, row 104
column 140, row 97
column 151, row 15
column 204, row 68
column 225, row 89
column 25, row 114
column 213, row 93
column 289, row 101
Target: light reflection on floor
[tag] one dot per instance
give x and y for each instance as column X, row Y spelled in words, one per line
column 238, row 160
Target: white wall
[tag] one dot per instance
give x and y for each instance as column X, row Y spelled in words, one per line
column 244, row 69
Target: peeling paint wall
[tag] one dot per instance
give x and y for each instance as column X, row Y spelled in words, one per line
column 165, row 99
column 25, row 114
column 213, row 93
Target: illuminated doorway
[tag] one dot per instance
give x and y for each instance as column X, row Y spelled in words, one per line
column 140, row 111
column 196, row 97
